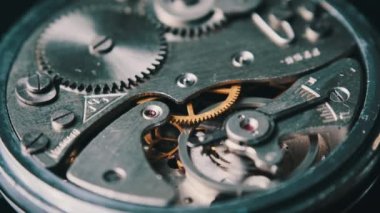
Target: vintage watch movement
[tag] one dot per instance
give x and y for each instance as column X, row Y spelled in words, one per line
column 188, row 106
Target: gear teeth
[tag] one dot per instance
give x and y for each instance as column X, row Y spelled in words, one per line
column 81, row 87
column 123, row 86
column 154, row 65
column 216, row 21
column 211, row 114
column 113, row 87
column 89, row 88
column 146, row 73
column 106, row 89
column 116, row 86
column 131, row 83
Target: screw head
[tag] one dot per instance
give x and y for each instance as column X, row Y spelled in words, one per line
column 187, row 80
column 114, row 175
column 35, row 142
column 250, row 125
column 340, row 94
column 101, row 45
column 62, row 119
column 188, row 200
column 152, row 112
column 243, row 59
column 38, row 83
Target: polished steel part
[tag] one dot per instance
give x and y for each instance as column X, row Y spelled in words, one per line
column 196, row 17
column 35, row 90
column 306, row 109
column 122, row 156
column 108, row 49
column 248, row 126
column 108, row 112
column 185, row 11
column 186, row 18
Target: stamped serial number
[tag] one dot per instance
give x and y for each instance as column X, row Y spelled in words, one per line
column 302, row 56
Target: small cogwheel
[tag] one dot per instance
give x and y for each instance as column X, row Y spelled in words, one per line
column 187, row 18
column 101, row 49
column 166, row 136
column 194, row 118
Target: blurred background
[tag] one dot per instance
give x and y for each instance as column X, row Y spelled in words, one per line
column 12, row 10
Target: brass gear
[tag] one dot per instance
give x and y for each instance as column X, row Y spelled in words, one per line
column 155, row 136
column 192, row 118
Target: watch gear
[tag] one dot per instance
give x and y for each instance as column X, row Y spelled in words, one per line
column 162, row 141
column 224, row 166
column 256, row 116
column 186, row 18
column 101, row 49
column 193, row 117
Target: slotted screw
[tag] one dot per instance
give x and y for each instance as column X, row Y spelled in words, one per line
column 101, row 45
column 35, row 142
column 62, row 119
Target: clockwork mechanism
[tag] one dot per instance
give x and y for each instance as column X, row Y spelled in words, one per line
column 102, row 53
column 188, row 105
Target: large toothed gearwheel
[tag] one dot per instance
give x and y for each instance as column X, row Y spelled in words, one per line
column 188, row 106
column 109, row 49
